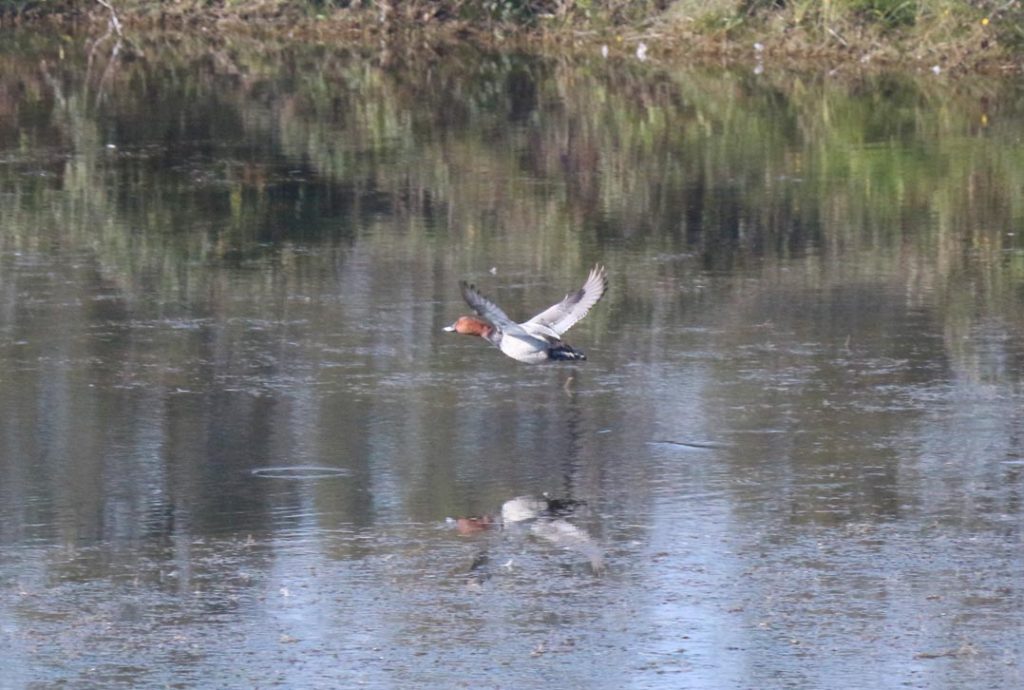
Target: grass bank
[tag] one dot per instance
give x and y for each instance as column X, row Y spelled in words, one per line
column 939, row 35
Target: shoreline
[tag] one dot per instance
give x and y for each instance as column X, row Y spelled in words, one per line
column 768, row 37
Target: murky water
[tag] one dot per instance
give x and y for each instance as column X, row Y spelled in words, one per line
column 232, row 431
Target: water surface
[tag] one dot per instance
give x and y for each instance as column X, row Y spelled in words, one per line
column 231, row 428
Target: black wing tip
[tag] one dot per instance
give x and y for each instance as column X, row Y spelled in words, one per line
column 476, row 300
column 468, row 289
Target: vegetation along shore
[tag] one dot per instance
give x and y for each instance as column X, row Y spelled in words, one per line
column 942, row 36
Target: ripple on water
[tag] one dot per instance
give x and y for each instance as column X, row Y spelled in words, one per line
column 297, row 472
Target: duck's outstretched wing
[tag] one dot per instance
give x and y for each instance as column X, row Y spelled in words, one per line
column 486, row 308
column 562, row 316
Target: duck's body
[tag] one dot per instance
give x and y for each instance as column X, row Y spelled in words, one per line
column 539, row 339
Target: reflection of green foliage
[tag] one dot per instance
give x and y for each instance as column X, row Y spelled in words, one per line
column 230, row 152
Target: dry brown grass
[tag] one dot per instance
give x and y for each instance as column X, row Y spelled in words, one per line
column 946, row 36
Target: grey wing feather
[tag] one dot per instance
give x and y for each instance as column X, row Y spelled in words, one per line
column 564, row 315
column 486, row 308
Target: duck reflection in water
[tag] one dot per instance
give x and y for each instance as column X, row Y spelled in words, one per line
column 544, row 518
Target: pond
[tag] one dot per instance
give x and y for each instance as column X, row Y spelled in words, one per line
column 236, row 444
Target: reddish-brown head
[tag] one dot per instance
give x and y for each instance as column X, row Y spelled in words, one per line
column 470, row 325
column 474, row 524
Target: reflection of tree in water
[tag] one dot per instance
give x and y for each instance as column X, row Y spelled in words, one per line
column 722, row 164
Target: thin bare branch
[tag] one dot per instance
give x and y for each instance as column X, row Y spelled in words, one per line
column 114, row 21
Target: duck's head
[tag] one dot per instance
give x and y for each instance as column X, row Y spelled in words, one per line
column 474, row 523
column 470, row 325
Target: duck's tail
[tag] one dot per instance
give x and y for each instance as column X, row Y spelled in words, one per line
column 564, row 352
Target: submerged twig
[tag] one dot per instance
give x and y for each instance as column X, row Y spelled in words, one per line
column 708, row 445
column 113, row 27
column 115, row 23
column 837, row 36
